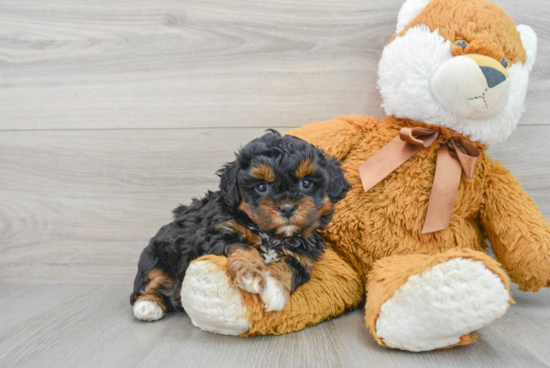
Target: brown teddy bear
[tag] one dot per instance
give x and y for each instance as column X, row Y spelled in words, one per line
column 425, row 196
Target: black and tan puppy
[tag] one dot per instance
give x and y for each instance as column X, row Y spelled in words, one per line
column 268, row 216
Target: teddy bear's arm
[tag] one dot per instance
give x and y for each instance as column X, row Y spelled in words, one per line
column 333, row 288
column 214, row 305
column 518, row 232
column 336, row 137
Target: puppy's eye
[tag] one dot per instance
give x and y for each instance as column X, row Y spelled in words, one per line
column 306, row 184
column 461, row 43
column 261, row 188
column 504, row 63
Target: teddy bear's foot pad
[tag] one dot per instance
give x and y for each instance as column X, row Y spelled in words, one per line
column 211, row 301
column 435, row 308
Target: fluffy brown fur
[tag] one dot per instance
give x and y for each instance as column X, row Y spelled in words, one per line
column 482, row 24
column 375, row 240
column 388, row 220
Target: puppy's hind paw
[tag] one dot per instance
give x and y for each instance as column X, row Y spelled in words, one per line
column 274, row 295
column 147, row 310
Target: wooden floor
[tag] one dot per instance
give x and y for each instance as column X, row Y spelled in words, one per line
column 92, row 326
column 113, row 112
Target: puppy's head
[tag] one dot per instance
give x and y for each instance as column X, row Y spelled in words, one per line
column 285, row 185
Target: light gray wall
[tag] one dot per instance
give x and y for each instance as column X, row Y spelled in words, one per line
column 112, row 113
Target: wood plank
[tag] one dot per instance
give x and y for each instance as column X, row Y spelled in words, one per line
column 214, row 63
column 22, row 305
column 497, row 344
column 94, row 327
column 77, row 207
column 526, row 153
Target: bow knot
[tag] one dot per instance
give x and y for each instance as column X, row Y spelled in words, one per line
column 454, row 155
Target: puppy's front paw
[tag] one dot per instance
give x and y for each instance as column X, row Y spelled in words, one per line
column 247, row 275
column 247, row 269
column 274, row 295
column 251, row 280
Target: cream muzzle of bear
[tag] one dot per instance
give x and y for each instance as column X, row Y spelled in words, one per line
column 472, row 86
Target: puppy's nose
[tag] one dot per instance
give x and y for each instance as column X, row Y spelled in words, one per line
column 287, row 209
column 493, row 76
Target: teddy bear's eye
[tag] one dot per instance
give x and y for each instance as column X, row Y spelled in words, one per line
column 462, row 44
column 504, row 63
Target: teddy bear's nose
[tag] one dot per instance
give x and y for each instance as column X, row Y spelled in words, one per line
column 493, row 76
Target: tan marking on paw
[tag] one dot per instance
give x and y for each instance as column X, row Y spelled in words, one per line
column 247, row 269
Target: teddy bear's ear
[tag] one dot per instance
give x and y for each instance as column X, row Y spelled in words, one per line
column 409, row 11
column 529, row 41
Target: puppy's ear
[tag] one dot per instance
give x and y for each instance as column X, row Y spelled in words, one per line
column 272, row 132
column 337, row 185
column 228, row 183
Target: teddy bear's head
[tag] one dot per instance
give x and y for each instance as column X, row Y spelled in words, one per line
column 462, row 64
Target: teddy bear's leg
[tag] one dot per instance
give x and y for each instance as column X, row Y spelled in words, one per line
column 419, row 303
column 214, row 304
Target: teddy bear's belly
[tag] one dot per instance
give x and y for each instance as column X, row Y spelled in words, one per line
column 389, row 218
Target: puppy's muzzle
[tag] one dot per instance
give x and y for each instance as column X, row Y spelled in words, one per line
column 472, row 86
column 287, row 210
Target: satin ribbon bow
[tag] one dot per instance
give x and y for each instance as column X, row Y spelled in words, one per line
column 453, row 156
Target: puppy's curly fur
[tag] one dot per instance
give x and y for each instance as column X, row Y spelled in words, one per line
column 268, row 216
